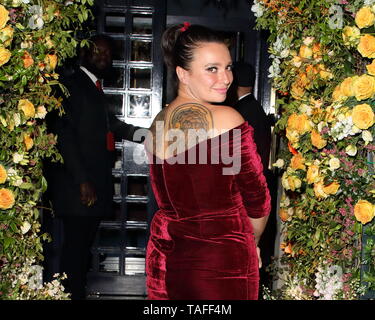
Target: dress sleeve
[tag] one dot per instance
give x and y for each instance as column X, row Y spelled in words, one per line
column 250, row 180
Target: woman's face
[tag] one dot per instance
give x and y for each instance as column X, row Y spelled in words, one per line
column 210, row 73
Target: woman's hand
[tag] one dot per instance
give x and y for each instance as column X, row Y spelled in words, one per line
column 259, row 258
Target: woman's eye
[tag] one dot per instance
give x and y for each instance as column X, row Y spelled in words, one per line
column 230, row 68
column 212, row 69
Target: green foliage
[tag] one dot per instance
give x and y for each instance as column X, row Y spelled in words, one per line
column 36, row 36
column 319, row 71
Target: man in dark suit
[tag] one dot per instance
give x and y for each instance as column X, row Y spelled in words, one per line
column 81, row 189
column 244, row 78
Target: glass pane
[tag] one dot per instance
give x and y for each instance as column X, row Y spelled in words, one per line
column 119, row 49
column 135, row 238
column 137, row 185
column 142, row 24
column 109, row 237
column 137, row 212
column 118, row 158
column 134, row 265
column 142, row 3
column 141, row 50
column 115, row 103
column 117, row 186
column 139, row 106
column 116, row 79
column 110, row 263
column 140, row 78
column 114, row 22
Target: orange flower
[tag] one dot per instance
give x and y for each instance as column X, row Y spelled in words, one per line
column 297, row 91
column 297, row 162
column 4, row 16
column 371, row 68
column 305, row 52
column 5, row 55
column 287, row 247
column 27, row 107
column 28, row 60
column 283, row 214
column 291, row 149
column 50, row 61
column 317, row 140
column 28, row 141
column 299, row 123
column 364, row 17
column 331, row 188
column 364, row 87
column 6, row 199
column 313, row 174
column 364, row 211
column 3, row 174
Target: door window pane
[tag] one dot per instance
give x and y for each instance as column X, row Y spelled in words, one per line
column 137, row 186
column 140, row 78
column 134, row 265
column 110, row 263
column 135, row 238
column 142, row 24
column 139, row 106
column 141, row 50
column 137, row 212
column 109, row 237
column 116, row 78
column 114, row 22
column 119, row 49
column 115, row 103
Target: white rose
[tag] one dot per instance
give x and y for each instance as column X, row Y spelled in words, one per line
column 40, row 112
column 25, row 227
column 279, row 163
column 17, row 119
column 334, row 163
column 351, row 150
column 17, row 157
column 367, row 136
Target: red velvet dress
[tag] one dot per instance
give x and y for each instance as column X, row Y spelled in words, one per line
column 201, row 244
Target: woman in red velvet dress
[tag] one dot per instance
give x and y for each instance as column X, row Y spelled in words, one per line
column 210, row 189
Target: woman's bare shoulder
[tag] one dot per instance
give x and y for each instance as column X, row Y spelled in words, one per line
column 226, row 117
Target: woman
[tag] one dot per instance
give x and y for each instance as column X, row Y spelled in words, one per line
column 203, row 239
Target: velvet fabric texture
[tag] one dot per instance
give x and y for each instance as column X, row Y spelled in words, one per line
column 201, row 243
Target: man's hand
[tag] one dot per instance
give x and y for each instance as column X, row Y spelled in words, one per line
column 87, row 194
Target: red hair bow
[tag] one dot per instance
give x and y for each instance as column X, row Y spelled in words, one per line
column 185, row 27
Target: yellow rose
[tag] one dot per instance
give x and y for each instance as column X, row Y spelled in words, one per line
column 364, row 211
column 28, row 141
column 364, row 18
column 4, row 16
column 364, row 87
column 371, row 68
column 292, row 136
column 331, row 188
column 6, row 199
column 351, row 35
column 366, row 46
column 297, row 91
column 290, row 182
column 317, row 140
column 313, row 174
column 27, row 107
column 50, row 61
column 4, row 56
column 305, row 52
column 347, row 86
column 299, row 123
column 3, row 174
column 297, row 162
column 337, row 94
column 6, row 35
column 363, row 116
column 319, row 190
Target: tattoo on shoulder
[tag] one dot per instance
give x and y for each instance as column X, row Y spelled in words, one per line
column 191, row 116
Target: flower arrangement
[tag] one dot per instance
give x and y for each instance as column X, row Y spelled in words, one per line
column 35, row 37
column 323, row 69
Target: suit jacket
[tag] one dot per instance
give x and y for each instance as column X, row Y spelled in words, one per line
column 81, row 134
column 253, row 112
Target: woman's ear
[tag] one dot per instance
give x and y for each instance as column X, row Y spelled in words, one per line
column 182, row 75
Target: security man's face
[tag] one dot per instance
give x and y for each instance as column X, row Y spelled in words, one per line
column 99, row 61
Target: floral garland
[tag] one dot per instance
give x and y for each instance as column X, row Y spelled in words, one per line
column 35, row 37
column 323, row 67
